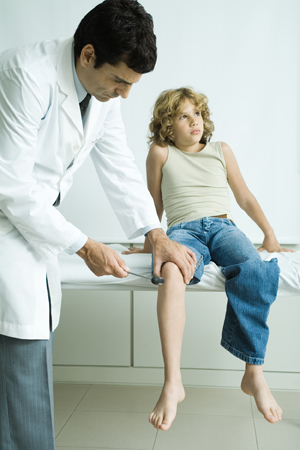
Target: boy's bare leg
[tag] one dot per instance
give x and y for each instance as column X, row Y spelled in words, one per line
column 254, row 383
column 171, row 320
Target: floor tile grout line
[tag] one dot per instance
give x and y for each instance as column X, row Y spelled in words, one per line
column 254, row 426
column 282, row 420
column 84, row 395
column 90, row 386
column 97, row 448
column 155, row 440
column 178, row 413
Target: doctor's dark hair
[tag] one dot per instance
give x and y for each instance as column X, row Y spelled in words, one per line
column 119, row 30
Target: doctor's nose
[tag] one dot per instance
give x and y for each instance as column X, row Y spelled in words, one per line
column 124, row 90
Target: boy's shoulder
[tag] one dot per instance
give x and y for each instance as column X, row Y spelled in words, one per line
column 224, row 145
column 220, row 145
column 158, row 153
column 225, row 148
column 157, row 148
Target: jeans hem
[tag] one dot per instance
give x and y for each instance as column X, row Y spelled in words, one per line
column 241, row 355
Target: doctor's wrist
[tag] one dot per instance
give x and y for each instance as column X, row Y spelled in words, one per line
column 83, row 251
column 156, row 235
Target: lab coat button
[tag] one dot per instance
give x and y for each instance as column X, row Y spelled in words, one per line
column 76, row 147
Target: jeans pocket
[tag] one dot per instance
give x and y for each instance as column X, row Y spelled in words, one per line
column 173, row 228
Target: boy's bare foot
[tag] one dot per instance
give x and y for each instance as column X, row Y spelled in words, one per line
column 254, row 384
column 165, row 409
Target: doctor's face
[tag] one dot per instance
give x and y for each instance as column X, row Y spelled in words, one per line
column 107, row 81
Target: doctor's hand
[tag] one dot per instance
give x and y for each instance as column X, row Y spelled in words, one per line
column 102, row 260
column 166, row 250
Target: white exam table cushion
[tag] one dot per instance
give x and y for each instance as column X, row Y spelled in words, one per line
column 76, row 275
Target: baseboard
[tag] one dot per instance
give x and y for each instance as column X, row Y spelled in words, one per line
column 154, row 376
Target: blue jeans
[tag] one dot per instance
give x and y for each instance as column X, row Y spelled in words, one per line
column 251, row 284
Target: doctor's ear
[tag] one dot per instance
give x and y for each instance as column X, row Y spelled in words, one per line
column 87, row 56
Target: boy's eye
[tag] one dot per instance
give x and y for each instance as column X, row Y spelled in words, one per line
column 198, row 113
column 182, row 117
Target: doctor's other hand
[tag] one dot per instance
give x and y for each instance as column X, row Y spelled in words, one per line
column 165, row 250
column 102, row 260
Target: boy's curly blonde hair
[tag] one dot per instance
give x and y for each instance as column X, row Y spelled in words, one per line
column 167, row 106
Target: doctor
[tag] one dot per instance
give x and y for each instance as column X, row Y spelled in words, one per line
column 59, row 103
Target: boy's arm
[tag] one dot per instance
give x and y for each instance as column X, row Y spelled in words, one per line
column 248, row 202
column 157, row 157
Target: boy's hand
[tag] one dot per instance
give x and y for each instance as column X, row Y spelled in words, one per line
column 271, row 244
column 132, row 250
column 166, row 250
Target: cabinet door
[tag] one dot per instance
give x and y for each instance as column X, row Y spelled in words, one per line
column 201, row 348
column 283, row 351
column 94, row 329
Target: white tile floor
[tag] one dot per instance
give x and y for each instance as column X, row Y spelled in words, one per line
column 116, row 417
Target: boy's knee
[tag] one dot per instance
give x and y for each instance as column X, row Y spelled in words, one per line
column 171, row 271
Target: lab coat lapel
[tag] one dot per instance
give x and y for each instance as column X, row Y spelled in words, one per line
column 66, row 84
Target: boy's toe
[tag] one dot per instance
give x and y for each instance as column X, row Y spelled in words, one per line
column 271, row 416
column 277, row 413
column 159, row 421
column 166, row 422
column 165, row 426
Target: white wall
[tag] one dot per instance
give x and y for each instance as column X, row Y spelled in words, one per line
column 244, row 55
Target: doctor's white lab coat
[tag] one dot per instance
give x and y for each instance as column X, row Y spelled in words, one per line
column 41, row 132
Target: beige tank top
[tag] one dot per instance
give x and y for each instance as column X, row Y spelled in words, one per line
column 194, row 185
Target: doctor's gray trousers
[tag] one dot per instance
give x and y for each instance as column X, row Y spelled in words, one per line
column 26, row 394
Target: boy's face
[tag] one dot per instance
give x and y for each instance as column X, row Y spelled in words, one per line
column 188, row 125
